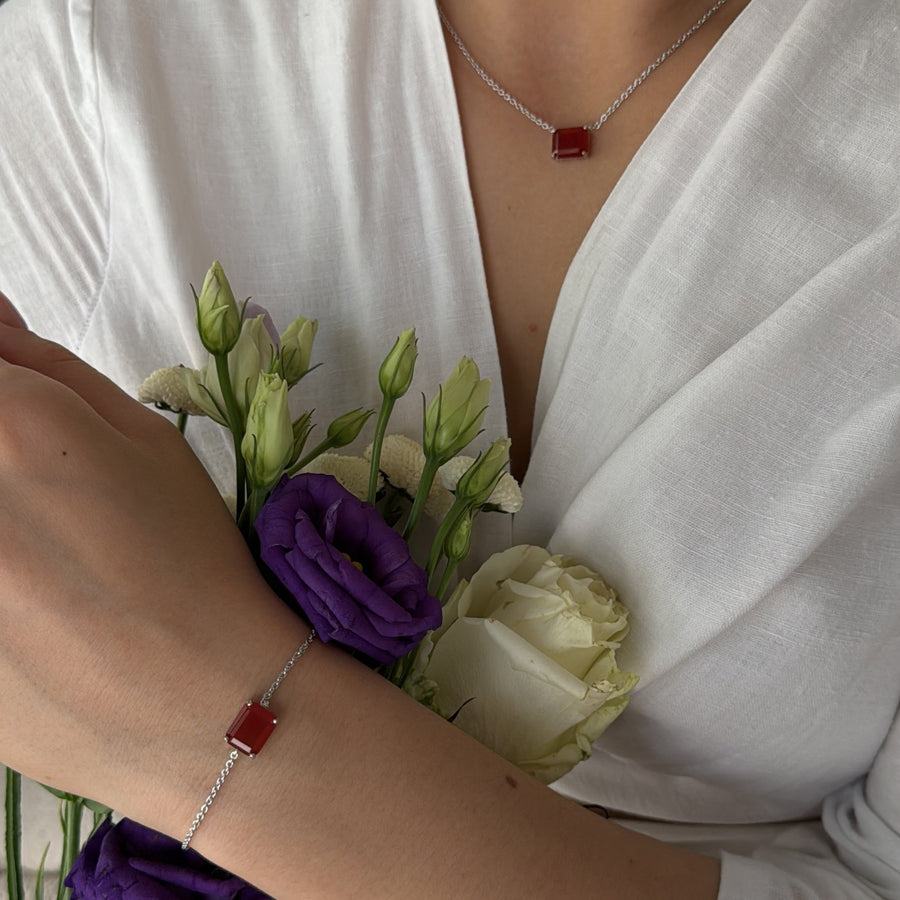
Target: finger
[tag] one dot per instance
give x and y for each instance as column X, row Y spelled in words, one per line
column 9, row 315
column 21, row 347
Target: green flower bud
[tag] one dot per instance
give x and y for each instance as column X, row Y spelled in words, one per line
column 296, row 349
column 454, row 417
column 346, row 428
column 459, row 539
column 269, row 439
column 477, row 483
column 253, row 354
column 396, row 372
column 218, row 316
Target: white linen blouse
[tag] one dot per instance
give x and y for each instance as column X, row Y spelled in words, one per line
column 718, row 419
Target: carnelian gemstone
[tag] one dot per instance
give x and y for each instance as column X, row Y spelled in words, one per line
column 571, row 143
column 251, row 728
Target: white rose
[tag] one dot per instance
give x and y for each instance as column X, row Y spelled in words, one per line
column 526, row 654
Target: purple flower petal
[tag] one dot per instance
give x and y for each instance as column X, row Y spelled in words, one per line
column 127, row 861
column 311, row 532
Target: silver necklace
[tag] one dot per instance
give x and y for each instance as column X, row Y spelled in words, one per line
column 574, row 142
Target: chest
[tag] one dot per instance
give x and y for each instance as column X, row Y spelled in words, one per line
column 533, row 213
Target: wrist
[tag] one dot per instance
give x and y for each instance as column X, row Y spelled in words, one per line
column 164, row 764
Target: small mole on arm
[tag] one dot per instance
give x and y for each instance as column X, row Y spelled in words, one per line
column 532, row 327
column 65, row 452
column 512, row 781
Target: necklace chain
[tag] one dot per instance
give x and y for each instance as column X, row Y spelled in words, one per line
column 593, row 126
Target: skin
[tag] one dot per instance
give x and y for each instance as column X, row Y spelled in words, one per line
column 360, row 791
column 533, row 212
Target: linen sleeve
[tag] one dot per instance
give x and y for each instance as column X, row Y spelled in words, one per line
column 855, row 857
column 53, row 189
column 864, row 821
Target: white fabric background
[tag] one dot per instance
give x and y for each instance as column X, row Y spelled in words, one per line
column 719, row 410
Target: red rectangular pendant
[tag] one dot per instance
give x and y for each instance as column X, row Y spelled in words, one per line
column 571, row 143
column 251, row 728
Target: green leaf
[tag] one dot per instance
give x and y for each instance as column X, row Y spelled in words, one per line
column 70, row 816
column 39, row 880
column 61, row 795
column 98, row 809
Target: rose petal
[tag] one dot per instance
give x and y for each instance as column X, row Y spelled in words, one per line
column 522, row 703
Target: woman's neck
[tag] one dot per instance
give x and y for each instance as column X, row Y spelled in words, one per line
column 567, row 61
column 559, row 57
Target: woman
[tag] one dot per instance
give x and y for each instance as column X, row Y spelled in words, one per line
column 695, row 330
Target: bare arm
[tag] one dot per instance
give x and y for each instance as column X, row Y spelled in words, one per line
column 134, row 624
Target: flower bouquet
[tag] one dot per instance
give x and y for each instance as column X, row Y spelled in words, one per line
column 521, row 656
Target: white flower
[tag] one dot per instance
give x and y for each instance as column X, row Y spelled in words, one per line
column 507, row 496
column 167, row 388
column 249, row 358
column 454, row 416
column 527, row 654
column 268, row 442
column 351, row 471
column 402, row 461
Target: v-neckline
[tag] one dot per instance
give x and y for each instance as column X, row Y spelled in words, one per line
column 567, row 302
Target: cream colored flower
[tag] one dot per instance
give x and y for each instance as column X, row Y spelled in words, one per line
column 252, row 355
column 527, row 654
column 507, row 496
column 454, row 416
column 351, row 471
column 402, row 461
column 268, row 442
column 167, row 388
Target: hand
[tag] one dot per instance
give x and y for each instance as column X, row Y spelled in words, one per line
column 133, row 624
column 126, row 593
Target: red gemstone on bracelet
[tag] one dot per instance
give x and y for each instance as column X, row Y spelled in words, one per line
column 571, row 143
column 251, row 728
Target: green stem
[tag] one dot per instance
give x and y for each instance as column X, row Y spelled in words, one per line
column 14, row 882
column 255, row 503
column 70, row 814
column 384, row 414
column 236, row 426
column 454, row 514
column 425, row 482
column 181, row 422
column 445, row 578
column 401, row 668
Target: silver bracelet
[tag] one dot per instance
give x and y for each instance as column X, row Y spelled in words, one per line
column 247, row 734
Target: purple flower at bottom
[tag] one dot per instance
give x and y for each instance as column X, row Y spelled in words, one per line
column 348, row 570
column 127, row 861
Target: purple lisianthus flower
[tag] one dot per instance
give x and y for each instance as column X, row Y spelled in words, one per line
column 348, row 571
column 127, row 861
